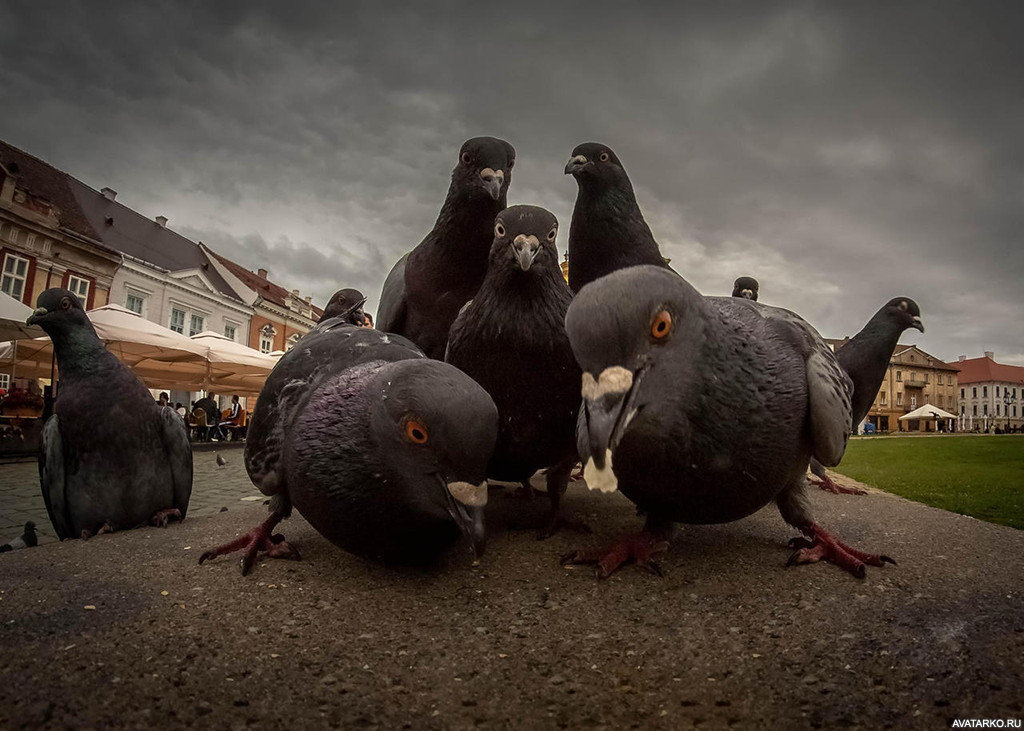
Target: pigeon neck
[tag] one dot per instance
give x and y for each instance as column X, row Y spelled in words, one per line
column 79, row 350
column 879, row 330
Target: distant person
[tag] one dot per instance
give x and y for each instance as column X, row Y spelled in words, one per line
column 209, row 405
column 234, row 417
column 181, row 410
column 164, row 399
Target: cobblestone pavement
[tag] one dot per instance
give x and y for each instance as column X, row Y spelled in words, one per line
column 213, row 488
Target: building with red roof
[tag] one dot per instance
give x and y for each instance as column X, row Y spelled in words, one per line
column 991, row 393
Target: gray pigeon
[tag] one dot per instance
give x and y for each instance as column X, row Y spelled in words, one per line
column 511, row 340
column 382, row 450
column 865, row 359
column 745, row 287
column 346, row 304
column 27, row 539
column 703, row 410
column 427, row 287
column 221, row 461
column 112, row 458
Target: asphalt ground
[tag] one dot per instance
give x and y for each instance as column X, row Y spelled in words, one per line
column 127, row 630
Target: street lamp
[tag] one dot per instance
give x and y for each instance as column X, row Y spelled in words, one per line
column 1006, row 407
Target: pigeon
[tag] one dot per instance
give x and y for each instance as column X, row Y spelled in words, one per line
column 381, row 449
column 346, row 304
column 27, row 539
column 608, row 231
column 703, row 410
column 425, row 290
column 745, row 287
column 221, row 461
column 865, row 359
column 510, row 338
column 112, row 458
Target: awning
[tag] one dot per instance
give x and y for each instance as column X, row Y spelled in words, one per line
column 12, row 320
column 233, row 367
column 928, row 412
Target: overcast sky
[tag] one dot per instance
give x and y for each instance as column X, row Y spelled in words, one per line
column 843, row 153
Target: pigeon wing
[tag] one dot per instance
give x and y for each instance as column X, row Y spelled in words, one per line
column 391, row 311
column 829, row 389
column 174, row 436
column 51, row 477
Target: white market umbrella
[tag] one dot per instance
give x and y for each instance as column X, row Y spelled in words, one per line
column 12, row 320
column 233, row 367
column 928, row 412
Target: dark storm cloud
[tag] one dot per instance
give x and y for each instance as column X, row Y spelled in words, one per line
column 842, row 153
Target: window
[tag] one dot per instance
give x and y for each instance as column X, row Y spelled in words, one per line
column 961, row 393
column 997, row 391
column 229, row 330
column 899, row 398
column 974, row 392
column 266, row 344
column 881, row 398
column 80, row 287
column 134, row 303
column 178, row 320
column 1014, row 412
column 926, row 377
column 997, row 410
column 291, row 341
column 984, row 409
column 14, row 276
column 975, row 409
column 899, row 375
column 913, row 402
column 984, row 391
column 5, row 381
column 195, row 325
column 963, row 409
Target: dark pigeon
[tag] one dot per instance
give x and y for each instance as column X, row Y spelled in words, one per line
column 27, row 539
column 865, row 359
column 608, row 231
column 428, row 286
column 511, row 340
column 704, row 410
column 112, row 458
column 745, row 287
column 346, row 304
column 382, row 450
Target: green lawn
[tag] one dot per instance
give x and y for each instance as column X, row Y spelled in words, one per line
column 981, row 476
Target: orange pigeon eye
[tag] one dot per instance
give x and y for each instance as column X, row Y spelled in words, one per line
column 416, row 432
column 661, row 325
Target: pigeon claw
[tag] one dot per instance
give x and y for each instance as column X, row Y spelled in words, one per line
column 252, row 543
column 640, row 549
column 823, row 546
column 827, row 484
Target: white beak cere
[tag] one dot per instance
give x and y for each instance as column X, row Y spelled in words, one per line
column 601, row 479
column 468, row 493
column 615, row 379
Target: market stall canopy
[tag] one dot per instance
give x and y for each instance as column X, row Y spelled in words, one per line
column 12, row 320
column 928, row 412
column 161, row 357
column 233, row 367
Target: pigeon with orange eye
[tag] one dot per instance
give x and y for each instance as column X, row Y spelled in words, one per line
column 381, row 449
column 704, row 410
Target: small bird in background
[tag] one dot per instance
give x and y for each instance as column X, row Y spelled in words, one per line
column 129, row 468
column 510, row 338
column 27, row 539
column 865, row 359
column 382, row 450
column 745, row 287
column 221, row 461
column 346, row 304
column 608, row 231
column 425, row 290
column 703, row 410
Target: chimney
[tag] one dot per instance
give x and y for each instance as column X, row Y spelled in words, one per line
column 990, row 355
column 309, row 299
column 261, row 273
column 109, row 193
column 162, row 220
column 962, row 358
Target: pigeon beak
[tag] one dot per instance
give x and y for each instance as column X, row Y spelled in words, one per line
column 608, row 401
column 525, row 248
column 918, row 325
column 37, row 314
column 466, row 503
column 356, row 309
column 748, row 294
column 492, row 181
column 575, row 164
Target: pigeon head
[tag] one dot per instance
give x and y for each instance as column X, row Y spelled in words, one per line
column 524, row 239
column 435, row 428
column 745, row 287
column 346, row 303
column 484, row 169
column 59, row 311
column 902, row 312
column 623, row 329
column 594, row 164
